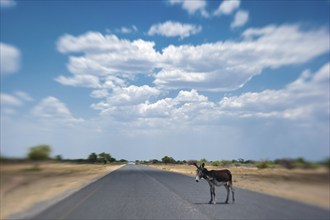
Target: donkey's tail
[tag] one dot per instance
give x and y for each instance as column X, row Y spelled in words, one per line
column 230, row 182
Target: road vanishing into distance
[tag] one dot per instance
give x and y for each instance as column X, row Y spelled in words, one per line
column 140, row 192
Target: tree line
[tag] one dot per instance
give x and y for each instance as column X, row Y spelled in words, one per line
column 288, row 163
column 42, row 153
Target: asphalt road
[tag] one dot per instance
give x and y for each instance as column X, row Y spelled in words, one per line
column 139, row 192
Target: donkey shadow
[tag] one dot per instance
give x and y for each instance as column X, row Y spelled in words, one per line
column 206, row 203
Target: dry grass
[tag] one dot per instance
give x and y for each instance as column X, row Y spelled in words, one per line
column 22, row 186
column 308, row 186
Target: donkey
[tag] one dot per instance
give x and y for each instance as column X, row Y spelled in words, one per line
column 215, row 178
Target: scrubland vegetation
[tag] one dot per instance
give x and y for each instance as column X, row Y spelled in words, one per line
column 287, row 163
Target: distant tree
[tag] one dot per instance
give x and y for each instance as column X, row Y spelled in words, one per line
column 154, row 161
column 111, row 159
column 167, row 160
column 241, row 160
column 203, row 160
column 103, row 157
column 58, row 157
column 106, row 157
column 92, row 157
column 39, row 153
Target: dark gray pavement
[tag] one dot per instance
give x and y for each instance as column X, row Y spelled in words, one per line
column 139, row 192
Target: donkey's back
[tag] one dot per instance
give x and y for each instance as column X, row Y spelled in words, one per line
column 221, row 175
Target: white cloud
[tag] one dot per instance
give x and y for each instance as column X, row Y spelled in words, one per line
column 127, row 30
column 101, row 93
column 85, row 80
column 192, row 7
column 109, row 62
column 225, row 66
column 10, row 59
column 107, row 55
column 51, row 108
column 227, row 7
column 131, row 95
column 185, row 106
column 16, row 99
column 123, row 102
column 240, row 19
column 7, row 3
column 307, row 98
column 23, row 96
column 174, row 29
column 10, row 100
column 10, row 103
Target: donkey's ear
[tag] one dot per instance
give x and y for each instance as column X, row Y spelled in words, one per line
column 195, row 165
column 203, row 164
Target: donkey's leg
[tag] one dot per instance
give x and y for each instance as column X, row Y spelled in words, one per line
column 232, row 192
column 211, row 194
column 213, row 191
column 227, row 189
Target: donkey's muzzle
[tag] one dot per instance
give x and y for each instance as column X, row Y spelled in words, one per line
column 197, row 181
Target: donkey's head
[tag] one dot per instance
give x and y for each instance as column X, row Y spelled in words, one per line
column 200, row 172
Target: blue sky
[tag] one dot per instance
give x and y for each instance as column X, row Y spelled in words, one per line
column 144, row 79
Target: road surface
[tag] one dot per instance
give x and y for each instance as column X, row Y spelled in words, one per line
column 139, row 192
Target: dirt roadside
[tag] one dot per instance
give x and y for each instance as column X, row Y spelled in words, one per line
column 307, row 186
column 22, row 186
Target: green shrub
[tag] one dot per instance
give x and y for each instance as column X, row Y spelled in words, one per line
column 225, row 163
column 216, row 163
column 265, row 164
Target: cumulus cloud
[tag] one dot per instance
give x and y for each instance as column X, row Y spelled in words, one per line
column 10, row 59
column 51, row 108
column 85, row 80
column 108, row 65
column 229, row 65
column 109, row 62
column 192, row 7
column 129, row 95
column 227, row 7
column 240, row 19
column 185, row 106
column 305, row 99
column 174, row 29
column 107, row 55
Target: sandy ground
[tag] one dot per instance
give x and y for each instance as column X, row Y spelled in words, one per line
column 308, row 186
column 22, row 188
